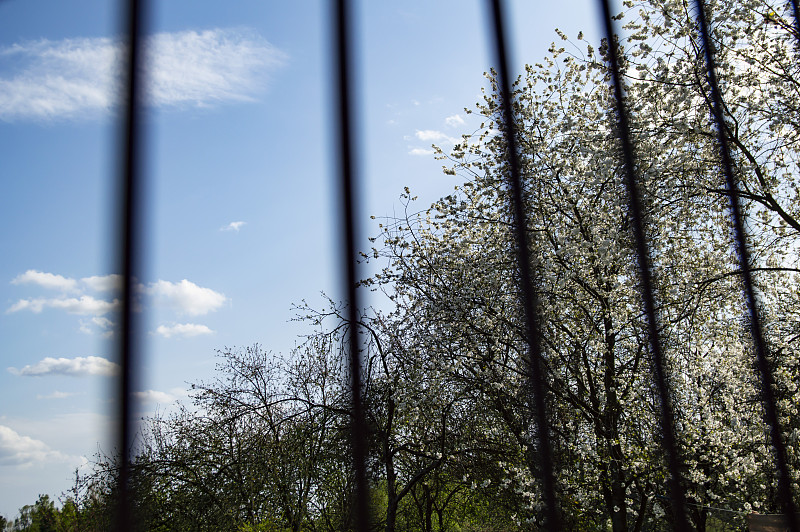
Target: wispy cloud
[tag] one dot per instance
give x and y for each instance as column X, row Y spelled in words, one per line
column 155, row 396
column 84, row 305
column 103, row 323
column 52, row 281
column 454, row 121
column 57, row 395
column 76, row 367
column 186, row 297
column 183, row 329
column 103, row 283
column 74, row 78
column 78, row 302
column 429, row 135
column 19, row 450
column 434, row 136
column 46, row 280
column 209, row 66
column 233, row 226
column 98, row 323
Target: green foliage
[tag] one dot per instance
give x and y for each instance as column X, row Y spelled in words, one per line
column 43, row 516
column 266, row 525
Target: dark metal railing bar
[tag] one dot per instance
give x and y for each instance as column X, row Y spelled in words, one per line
column 669, row 442
column 527, row 291
column 796, row 14
column 347, row 180
column 130, row 225
column 740, row 240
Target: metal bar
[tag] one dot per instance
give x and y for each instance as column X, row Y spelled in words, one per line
column 796, row 13
column 527, row 290
column 674, row 462
column 762, row 361
column 128, row 252
column 347, row 182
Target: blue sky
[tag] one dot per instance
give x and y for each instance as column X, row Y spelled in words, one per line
column 240, row 204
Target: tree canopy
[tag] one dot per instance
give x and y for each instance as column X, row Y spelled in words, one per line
column 452, row 444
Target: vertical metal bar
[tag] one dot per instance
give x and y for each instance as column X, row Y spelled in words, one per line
column 796, row 13
column 347, row 181
column 674, row 462
column 762, row 361
column 128, row 252
column 527, row 291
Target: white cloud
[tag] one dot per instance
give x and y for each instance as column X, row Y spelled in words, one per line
column 79, row 366
column 154, row 396
column 103, row 323
column 105, row 326
column 103, row 283
column 57, row 79
column 420, row 151
column 46, row 280
column 433, row 136
column 52, row 281
column 57, row 395
column 84, row 305
column 233, row 226
column 19, row 450
column 454, row 121
column 85, row 328
column 73, row 78
column 186, row 297
column 183, row 329
column 208, row 66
